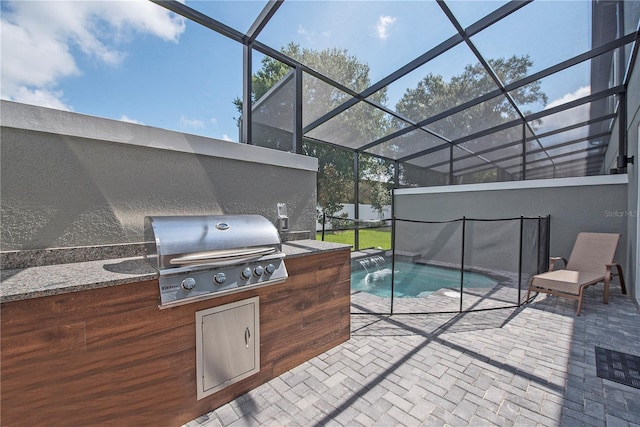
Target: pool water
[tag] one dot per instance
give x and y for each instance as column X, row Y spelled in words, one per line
column 414, row 280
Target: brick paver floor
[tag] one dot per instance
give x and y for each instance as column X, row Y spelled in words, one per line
column 533, row 365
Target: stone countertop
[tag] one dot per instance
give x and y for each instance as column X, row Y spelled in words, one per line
column 298, row 248
column 35, row 282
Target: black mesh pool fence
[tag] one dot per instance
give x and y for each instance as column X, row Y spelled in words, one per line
column 459, row 265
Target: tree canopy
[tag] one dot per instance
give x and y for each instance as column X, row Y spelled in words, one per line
column 433, row 95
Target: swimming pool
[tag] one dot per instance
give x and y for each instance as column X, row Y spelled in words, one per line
column 414, row 280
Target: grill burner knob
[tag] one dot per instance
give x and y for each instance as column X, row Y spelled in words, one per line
column 270, row 268
column 220, row 278
column 246, row 273
column 188, row 284
column 258, row 271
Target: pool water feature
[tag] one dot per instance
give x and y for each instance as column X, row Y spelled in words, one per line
column 373, row 262
column 414, row 280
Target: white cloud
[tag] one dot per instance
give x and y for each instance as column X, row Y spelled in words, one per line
column 382, row 27
column 226, row 137
column 579, row 93
column 41, row 97
column 124, row 118
column 191, row 123
column 312, row 36
column 568, row 117
column 38, row 39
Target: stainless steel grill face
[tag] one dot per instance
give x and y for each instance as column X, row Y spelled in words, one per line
column 201, row 257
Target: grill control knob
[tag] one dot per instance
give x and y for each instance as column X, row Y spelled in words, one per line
column 258, row 271
column 270, row 268
column 246, row 273
column 220, row 278
column 188, row 283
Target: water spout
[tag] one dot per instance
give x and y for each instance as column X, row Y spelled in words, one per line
column 364, row 263
column 375, row 262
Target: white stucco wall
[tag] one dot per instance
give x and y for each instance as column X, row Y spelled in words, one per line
column 74, row 180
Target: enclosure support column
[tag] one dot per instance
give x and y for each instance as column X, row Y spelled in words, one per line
column 622, row 161
column 246, row 94
column 396, row 184
column 396, row 178
column 356, row 200
column 297, row 125
column 524, row 150
column 451, row 165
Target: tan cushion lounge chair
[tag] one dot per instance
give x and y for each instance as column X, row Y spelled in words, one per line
column 590, row 262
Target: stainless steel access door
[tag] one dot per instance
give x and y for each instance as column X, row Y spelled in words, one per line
column 227, row 345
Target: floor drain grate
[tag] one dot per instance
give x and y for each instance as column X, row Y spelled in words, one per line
column 619, row 367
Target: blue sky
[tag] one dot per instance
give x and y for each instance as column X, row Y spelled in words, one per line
column 135, row 61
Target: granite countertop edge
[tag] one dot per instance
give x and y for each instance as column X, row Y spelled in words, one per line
column 41, row 281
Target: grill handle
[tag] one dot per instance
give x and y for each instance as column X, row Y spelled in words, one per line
column 222, row 257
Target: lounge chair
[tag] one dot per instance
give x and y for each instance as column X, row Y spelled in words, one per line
column 591, row 262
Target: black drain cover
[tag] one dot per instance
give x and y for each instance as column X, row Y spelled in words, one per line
column 619, row 367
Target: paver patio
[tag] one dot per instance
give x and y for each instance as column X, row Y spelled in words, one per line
column 533, row 365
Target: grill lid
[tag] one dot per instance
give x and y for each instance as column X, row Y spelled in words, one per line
column 179, row 241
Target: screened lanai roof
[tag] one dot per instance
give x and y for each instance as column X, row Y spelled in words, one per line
column 529, row 89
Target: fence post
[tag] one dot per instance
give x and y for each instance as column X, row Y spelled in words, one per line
column 464, row 224
column 393, row 259
column 520, row 261
column 539, row 244
column 324, row 221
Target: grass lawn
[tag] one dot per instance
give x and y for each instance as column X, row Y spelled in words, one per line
column 368, row 238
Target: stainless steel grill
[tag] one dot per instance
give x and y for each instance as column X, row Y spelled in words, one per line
column 201, row 257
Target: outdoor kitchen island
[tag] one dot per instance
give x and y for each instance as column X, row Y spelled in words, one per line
column 86, row 343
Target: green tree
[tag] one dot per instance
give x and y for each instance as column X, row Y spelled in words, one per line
column 272, row 72
column 376, row 182
column 356, row 126
column 433, row 95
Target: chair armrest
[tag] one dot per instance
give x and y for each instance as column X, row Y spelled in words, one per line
column 554, row 259
column 617, row 273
